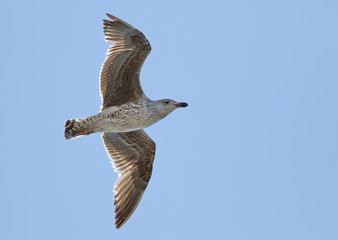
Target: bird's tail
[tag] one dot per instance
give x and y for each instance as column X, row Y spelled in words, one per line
column 75, row 128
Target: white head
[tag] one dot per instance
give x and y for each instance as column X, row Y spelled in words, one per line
column 166, row 106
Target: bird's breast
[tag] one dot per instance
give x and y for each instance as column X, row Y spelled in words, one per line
column 129, row 117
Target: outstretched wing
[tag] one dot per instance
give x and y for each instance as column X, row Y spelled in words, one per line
column 119, row 77
column 132, row 155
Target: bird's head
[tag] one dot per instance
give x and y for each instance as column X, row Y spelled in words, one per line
column 166, row 106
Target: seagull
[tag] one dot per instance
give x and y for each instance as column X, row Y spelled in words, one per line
column 124, row 113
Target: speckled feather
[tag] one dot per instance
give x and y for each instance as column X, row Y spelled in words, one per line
column 125, row 111
column 132, row 155
column 120, row 73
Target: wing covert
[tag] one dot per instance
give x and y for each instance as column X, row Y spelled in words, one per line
column 132, row 155
column 119, row 76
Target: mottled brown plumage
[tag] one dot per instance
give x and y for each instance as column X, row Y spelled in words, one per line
column 125, row 111
column 132, row 154
column 120, row 73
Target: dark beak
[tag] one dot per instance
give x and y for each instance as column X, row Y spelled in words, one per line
column 182, row 104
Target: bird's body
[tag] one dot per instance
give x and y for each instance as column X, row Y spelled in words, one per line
column 126, row 117
column 125, row 112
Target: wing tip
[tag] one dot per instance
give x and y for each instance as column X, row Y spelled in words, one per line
column 116, row 19
column 120, row 222
column 111, row 16
column 123, row 213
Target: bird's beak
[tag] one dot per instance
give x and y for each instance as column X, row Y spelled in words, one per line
column 182, row 104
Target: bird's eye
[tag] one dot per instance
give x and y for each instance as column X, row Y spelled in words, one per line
column 166, row 102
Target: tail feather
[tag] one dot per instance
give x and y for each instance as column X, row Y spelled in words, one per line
column 74, row 128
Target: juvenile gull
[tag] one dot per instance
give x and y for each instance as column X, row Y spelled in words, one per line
column 125, row 111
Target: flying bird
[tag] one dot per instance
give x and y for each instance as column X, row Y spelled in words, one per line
column 125, row 112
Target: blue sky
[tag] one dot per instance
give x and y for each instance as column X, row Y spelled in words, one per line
column 253, row 157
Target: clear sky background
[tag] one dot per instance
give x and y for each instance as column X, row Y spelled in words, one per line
column 255, row 156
